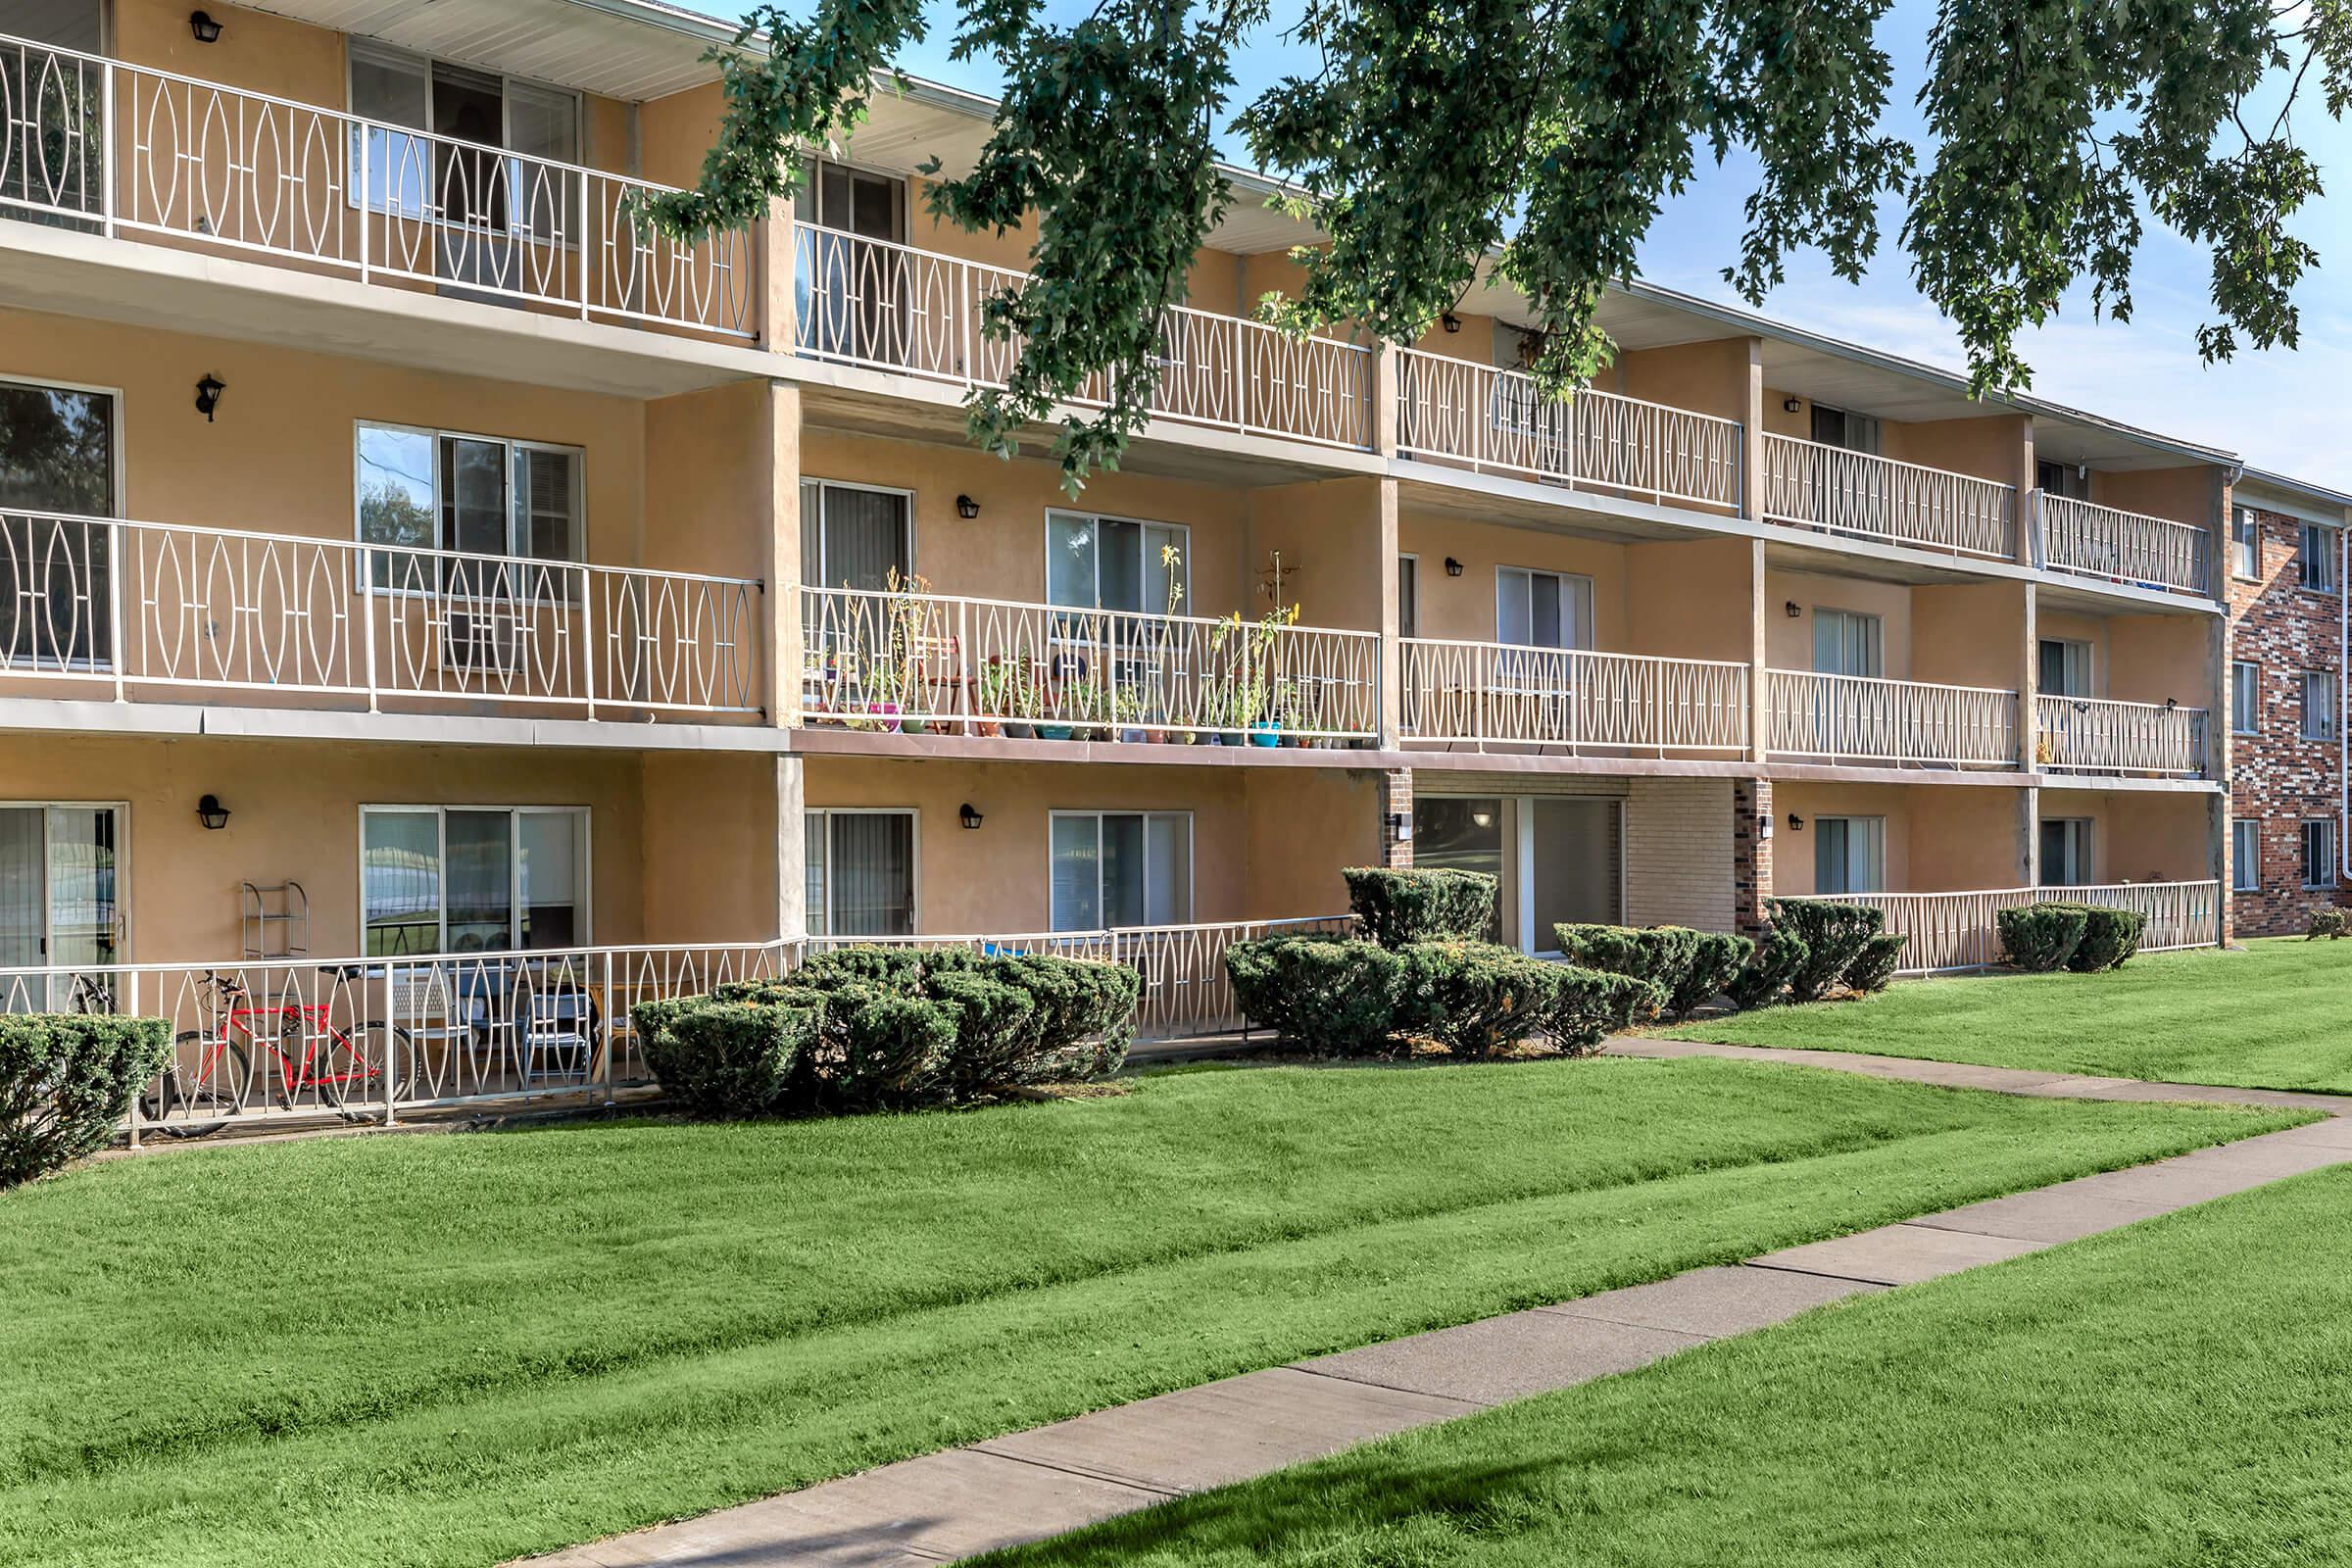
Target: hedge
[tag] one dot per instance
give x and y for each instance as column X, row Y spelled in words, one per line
column 1662, row 953
column 1476, row 997
column 1399, row 907
column 1718, row 957
column 1834, row 934
column 66, row 1082
column 2110, row 937
column 2330, row 923
column 1778, row 956
column 723, row 1059
column 1328, row 995
column 2042, row 936
column 1874, row 968
column 1590, row 1004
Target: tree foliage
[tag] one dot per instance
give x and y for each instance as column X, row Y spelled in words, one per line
column 1543, row 136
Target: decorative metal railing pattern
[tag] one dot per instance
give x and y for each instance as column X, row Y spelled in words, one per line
column 2096, row 735
column 1857, row 719
column 1186, row 989
column 122, row 150
column 139, row 605
column 1813, row 486
column 904, row 663
column 2130, row 547
column 891, row 306
column 1954, row 931
column 1499, row 694
column 1494, row 420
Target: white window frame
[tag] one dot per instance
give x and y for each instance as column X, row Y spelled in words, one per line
column 1183, row 530
column 115, row 475
column 2245, row 871
column 1878, row 640
column 821, row 484
column 2317, row 570
column 357, row 49
column 914, row 851
column 2090, row 665
column 587, row 892
column 1585, row 630
column 2327, row 710
column 2328, row 860
column 2086, row 834
column 2249, row 672
column 122, row 898
column 512, row 445
column 2245, row 545
column 1820, row 825
column 1192, row 887
column 902, row 188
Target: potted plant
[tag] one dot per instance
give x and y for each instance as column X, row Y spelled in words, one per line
column 994, row 695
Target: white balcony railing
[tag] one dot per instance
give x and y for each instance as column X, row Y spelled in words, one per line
column 1503, row 695
column 136, row 609
column 99, row 146
column 2094, row 735
column 2129, row 547
column 1809, row 485
column 891, row 306
column 909, row 662
column 1857, row 719
column 1953, row 931
column 1497, row 422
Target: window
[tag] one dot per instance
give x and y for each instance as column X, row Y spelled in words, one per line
column 852, row 536
column 1557, row 860
column 2321, row 708
column 1850, row 854
column 2246, row 856
column 471, row 496
column 2318, row 852
column 860, row 874
column 53, row 113
column 2068, row 480
column 2066, row 851
column 57, row 467
column 2065, row 668
column 1409, row 593
column 1111, row 869
column 2245, row 543
column 472, row 879
column 445, row 176
column 1543, row 608
column 1846, row 644
column 1835, row 427
column 2245, row 697
column 1452, row 834
column 2317, row 556
column 854, row 304
column 1095, row 562
column 58, row 877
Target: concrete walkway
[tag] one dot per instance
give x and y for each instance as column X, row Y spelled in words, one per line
column 1042, row 1483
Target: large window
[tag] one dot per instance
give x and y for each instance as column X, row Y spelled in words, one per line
column 1847, row 643
column 59, row 882
column 1096, row 562
column 861, row 873
column 432, row 177
column 472, row 879
column 2245, row 697
column 2065, row 668
column 2245, row 543
column 2068, row 480
column 1543, row 608
column 1835, row 427
column 2317, row 556
column 472, row 496
column 2321, row 706
column 57, row 465
column 2318, row 852
column 855, row 536
column 1112, row 869
column 2066, row 851
column 52, row 117
column 855, row 301
column 1850, row 854
column 2245, row 854
column 1557, row 860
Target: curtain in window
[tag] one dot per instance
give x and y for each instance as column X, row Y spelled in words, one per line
column 1126, row 872
column 479, row 874
column 399, row 882
column 82, row 885
column 23, row 906
column 1077, row 873
column 553, row 895
column 1846, row 643
column 864, row 538
column 1168, row 853
column 1848, row 854
column 814, row 837
column 872, row 874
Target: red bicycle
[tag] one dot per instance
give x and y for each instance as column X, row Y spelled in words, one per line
column 302, row 1049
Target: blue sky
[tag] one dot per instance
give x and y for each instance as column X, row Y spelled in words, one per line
column 2279, row 409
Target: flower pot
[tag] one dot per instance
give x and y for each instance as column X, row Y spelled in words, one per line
column 911, row 725
column 1132, row 737
column 1016, row 730
column 1155, row 737
column 891, row 725
column 1265, row 732
column 1185, row 737
column 1054, row 733
column 986, row 730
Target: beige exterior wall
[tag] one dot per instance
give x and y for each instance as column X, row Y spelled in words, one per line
column 1463, row 607
column 2185, row 494
column 1939, row 838
column 1709, row 377
column 1788, row 639
column 2138, row 836
column 1690, row 599
column 1328, row 533
column 1969, row 634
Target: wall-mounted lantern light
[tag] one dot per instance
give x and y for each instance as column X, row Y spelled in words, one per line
column 1481, row 819
column 966, row 507
column 212, row 813
column 1400, row 827
column 208, row 396
column 1796, row 823
column 1453, row 567
column 205, row 30
column 1450, row 322
column 1791, row 404
column 1763, row 824
column 969, row 817
column 1789, row 609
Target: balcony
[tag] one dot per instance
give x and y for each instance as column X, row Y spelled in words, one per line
column 1861, row 496
column 887, row 306
column 1489, row 421
column 2094, row 735
column 2126, row 547
column 100, row 147
column 143, row 609
column 921, row 663
column 1955, row 931
column 1571, row 700
column 1897, row 723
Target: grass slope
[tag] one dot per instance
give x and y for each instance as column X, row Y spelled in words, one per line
column 2171, row 1392
column 456, row 1350
column 2277, row 1016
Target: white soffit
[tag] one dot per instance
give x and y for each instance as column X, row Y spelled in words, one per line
column 631, row 52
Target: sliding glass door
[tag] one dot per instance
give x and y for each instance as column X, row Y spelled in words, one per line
column 57, row 474
column 58, row 899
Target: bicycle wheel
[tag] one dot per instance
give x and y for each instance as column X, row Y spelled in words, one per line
column 207, row 1096
column 352, row 1068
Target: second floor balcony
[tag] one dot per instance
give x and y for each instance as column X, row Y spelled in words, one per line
column 1571, row 699
column 1862, row 495
column 2085, row 540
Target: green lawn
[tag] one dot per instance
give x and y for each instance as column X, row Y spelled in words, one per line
column 452, row 1350
column 2277, row 1015
column 2171, row 1392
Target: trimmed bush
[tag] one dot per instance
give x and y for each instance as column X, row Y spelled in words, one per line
column 1328, row 995
column 1761, row 984
column 891, row 967
column 1085, row 1010
column 65, row 1081
column 726, row 1058
column 2042, row 936
column 1873, row 970
column 2329, row 923
column 1717, row 958
column 1662, row 953
column 1477, row 997
column 1399, row 908
column 1834, row 935
column 1588, row 1005
column 996, row 1029
column 2110, row 936
column 893, row 1047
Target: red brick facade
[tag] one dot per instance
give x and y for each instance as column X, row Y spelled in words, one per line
column 1751, row 851
column 2277, row 777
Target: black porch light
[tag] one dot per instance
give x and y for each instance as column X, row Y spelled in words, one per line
column 969, row 817
column 966, row 507
column 1453, row 567
column 1450, row 322
column 212, row 813
column 208, row 396
column 1796, row 823
column 205, row 30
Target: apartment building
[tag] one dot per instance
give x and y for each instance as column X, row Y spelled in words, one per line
column 416, row 582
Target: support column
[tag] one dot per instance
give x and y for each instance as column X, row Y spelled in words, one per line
column 1386, row 373
column 791, row 850
column 776, row 320
column 2029, row 833
column 1759, row 674
column 2028, row 507
column 2217, row 829
column 2028, row 688
column 1397, row 818
column 1751, row 851
column 781, row 678
column 1751, row 433
column 1392, row 651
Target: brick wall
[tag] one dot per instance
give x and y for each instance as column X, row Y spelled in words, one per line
column 1678, row 848
column 1395, row 806
column 1751, row 853
column 2277, row 776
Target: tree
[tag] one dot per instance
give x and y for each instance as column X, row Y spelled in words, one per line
column 1547, row 133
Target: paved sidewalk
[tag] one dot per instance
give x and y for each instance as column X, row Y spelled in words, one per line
column 1042, row 1483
